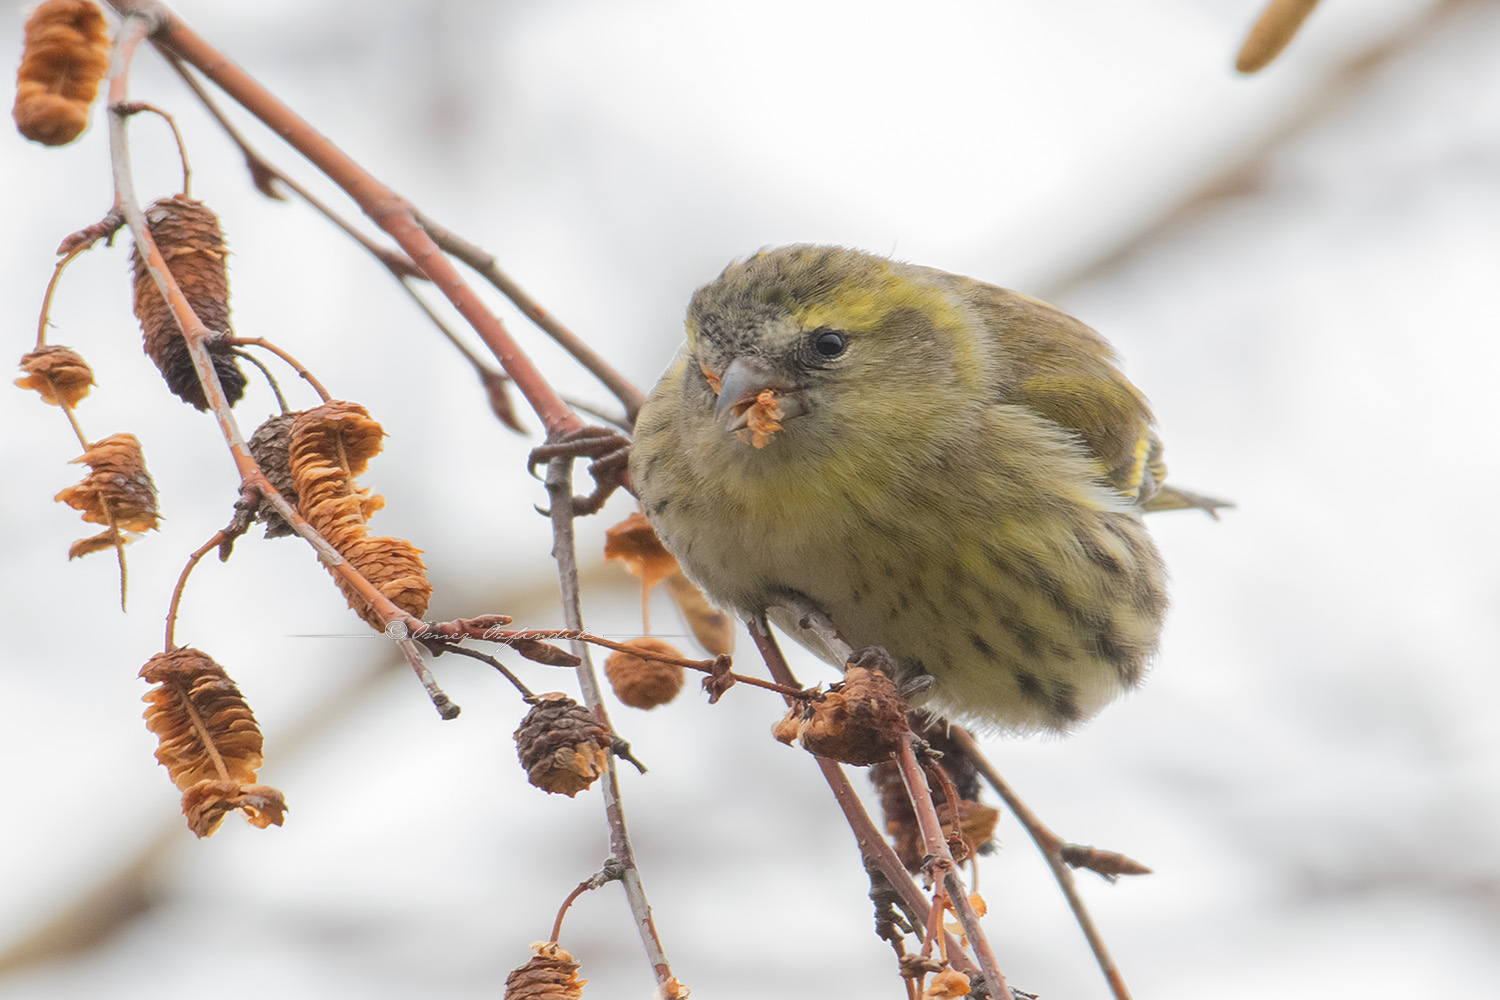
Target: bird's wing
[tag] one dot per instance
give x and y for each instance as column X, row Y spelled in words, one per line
column 1066, row 372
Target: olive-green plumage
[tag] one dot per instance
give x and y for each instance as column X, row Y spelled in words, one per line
column 953, row 471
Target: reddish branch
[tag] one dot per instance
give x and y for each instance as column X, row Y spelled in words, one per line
column 384, row 206
column 941, row 868
column 134, row 30
column 485, row 265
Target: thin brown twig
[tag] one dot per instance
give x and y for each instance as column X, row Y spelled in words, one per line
column 67, row 409
column 493, row 661
column 119, row 539
column 86, row 237
column 449, row 334
column 265, row 174
column 44, row 319
column 494, row 382
column 612, row 871
column 136, row 107
column 392, row 213
column 77, row 429
column 704, row 666
column 559, row 484
column 491, row 378
column 270, row 379
column 950, row 799
column 140, row 21
column 942, row 868
column 295, row 365
column 1050, row 846
column 446, row 708
column 482, row 628
column 182, row 580
column 935, row 938
column 484, row 264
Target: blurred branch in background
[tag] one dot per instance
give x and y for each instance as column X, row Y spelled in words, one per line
column 133, row 884
column 1298, row 119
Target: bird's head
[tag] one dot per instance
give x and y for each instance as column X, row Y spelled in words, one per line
column 808, row 346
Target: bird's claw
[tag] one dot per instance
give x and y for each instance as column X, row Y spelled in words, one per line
column 610, row 451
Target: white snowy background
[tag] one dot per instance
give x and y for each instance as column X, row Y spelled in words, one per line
column 1301, row 269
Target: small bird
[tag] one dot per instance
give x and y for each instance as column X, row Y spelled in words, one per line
column 950, row 470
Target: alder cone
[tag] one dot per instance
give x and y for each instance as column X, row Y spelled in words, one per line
column 561, row 746
column 270, row 446
column 206, row 804
column 66, row 54
column 117, row 492
column 861, row 720
column 950, row 984
column 331, row 445
column 59, row 373
column 189, row 238
column 208, row 741
column 551, row 974
column 641, row 682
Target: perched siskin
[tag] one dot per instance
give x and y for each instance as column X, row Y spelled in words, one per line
column 950, row 470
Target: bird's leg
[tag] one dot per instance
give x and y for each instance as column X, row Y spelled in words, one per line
column 610, row 451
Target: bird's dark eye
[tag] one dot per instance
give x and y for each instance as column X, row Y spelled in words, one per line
column 829, row 343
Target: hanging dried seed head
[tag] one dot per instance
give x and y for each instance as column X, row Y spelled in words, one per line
column 950, row 984
column 640, row 681
column 633, row 541
column 270, row 446
column 208, row 740
column 207, row 803
column 205, row 727
column 713, row 629
column 561, row 746
column 188, row 236
column 861, row 720
column 551, row 974
column 117, row 492
column 65, row 56
column 58, row 373
column 331, row 445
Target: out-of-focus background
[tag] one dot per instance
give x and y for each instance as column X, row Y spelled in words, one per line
column 1299, row 268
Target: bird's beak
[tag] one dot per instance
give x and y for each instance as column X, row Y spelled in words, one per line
column 739, row 385
column 744, row 408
